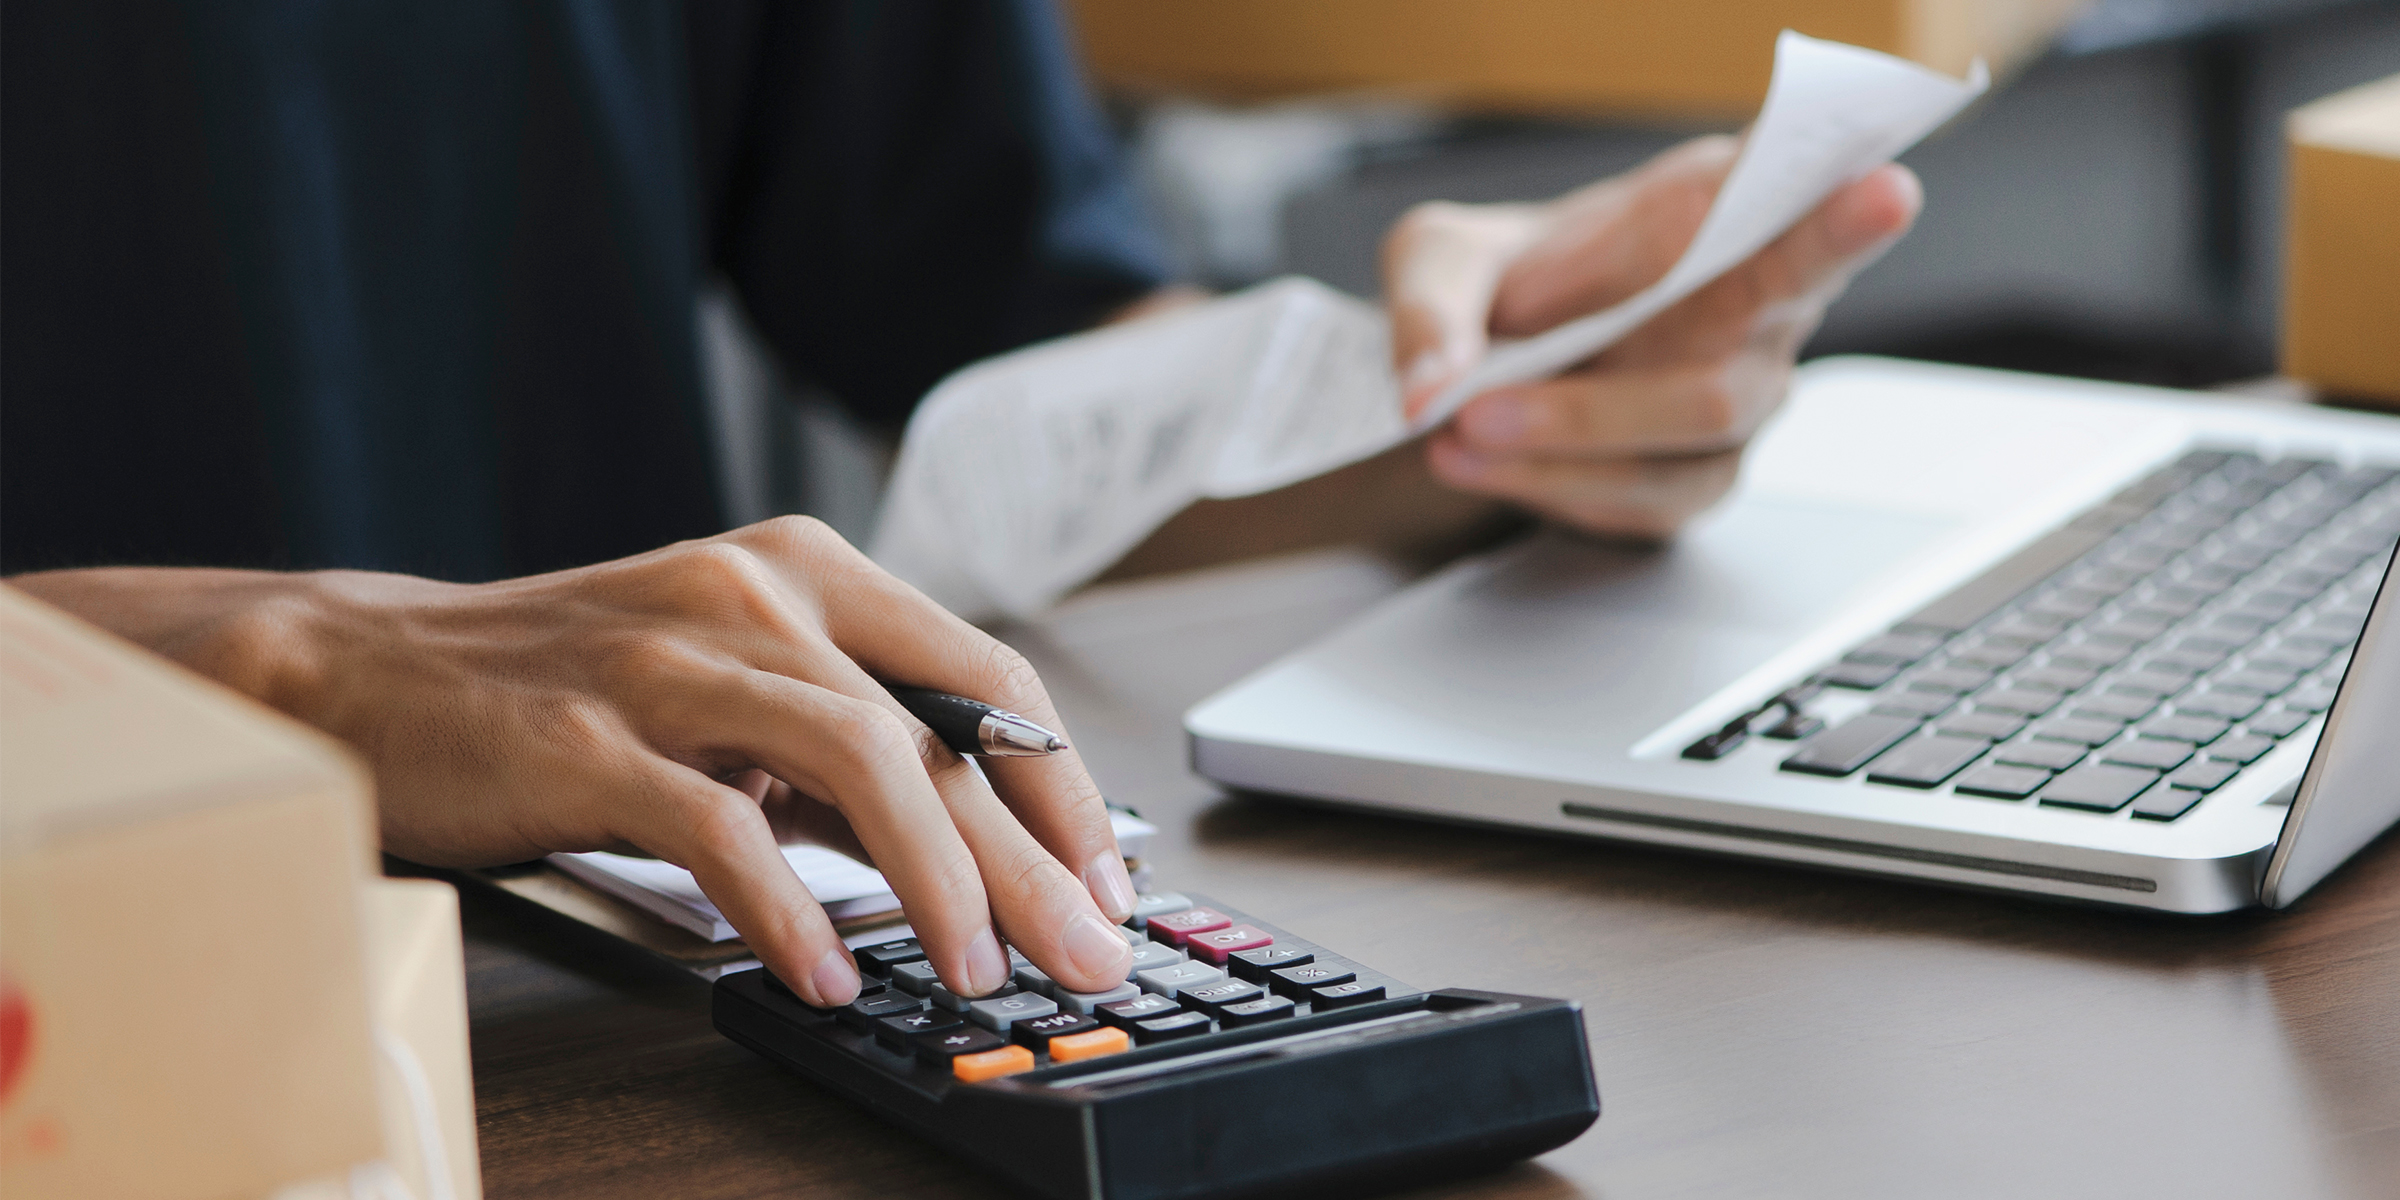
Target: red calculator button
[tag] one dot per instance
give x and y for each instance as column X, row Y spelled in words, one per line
column 1176, row 929
column 1217, row 945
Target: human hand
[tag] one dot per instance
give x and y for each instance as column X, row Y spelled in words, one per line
column 1647, row 434
column 700, row 703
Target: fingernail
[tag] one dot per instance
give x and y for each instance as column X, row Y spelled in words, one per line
column 1497, row 419
column 987, row 964
column 1111, row 888
column 1095, row 947
column 835, row 979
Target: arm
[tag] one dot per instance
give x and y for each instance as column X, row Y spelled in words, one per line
column 701, row 703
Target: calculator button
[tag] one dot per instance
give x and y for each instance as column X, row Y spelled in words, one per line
column 898, row 1030
column 915, row 978
column 1255, row 1012
column 1169, row 981
column 1176, row 929
column 862, row 1013
column 1154, row 954
column 1295, row 981
column 1253, row 965
column 1123, row 1013
column 943, row 997
column 880, row 958
column 1156, row 904
column 1035, row 1033
column 1167, row 1029
column 1075, row 1047
column 1217, row 945
column 992, row 1064
column 950, row 1043
column 1084, row 1002
column 1034, row 979
column 1343, row 995
column 1214, row 997
column 1000, row 1012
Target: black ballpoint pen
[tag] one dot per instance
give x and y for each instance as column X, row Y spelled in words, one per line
column 973, row 727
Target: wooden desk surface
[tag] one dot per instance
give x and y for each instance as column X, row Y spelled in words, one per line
column 1757, row 1030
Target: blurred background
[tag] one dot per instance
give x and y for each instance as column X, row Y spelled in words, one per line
column 2113, row 209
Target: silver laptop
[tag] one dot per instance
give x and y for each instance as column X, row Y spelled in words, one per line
column 2090, row 641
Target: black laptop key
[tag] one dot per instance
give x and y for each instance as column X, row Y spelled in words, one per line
column 1999, row 782
column 2281, row 723
column 1847, row 747
column 1915, row 705
column 1863, row 676
column 1894, row 648
column 2036, row 752
column 2151, row 753
column 2098, row 787
column 2165, row 803
column 2199, row 731
column 2206, row 775
column 2241, row 748
column 1990, row 726
column 2023, row 702
column 2056, row 677
column 1951, row 680
column 2083, row 731
column 1925, row 762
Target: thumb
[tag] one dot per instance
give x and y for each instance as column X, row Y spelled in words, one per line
column 1441, row 265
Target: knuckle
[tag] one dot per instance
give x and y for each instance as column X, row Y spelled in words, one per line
column 1014, row 679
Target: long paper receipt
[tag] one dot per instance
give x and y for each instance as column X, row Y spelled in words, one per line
column 1023, row 476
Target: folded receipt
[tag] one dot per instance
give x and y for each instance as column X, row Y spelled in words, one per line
column 1022, row 477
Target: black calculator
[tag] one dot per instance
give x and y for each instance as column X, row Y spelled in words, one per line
column 1237, row 1060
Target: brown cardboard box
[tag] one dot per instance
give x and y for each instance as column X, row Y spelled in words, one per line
column 185, row 1005
column 1707, row 59
column 2341, row 291
column 417, row 973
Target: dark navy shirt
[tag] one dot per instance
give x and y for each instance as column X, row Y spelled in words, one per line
column 409, row 284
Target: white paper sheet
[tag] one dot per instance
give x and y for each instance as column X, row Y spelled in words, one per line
column 845, row 886
column 1023, row 476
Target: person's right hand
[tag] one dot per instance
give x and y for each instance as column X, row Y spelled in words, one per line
column 700, row 703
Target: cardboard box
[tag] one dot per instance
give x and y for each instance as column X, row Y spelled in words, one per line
column 1706, row 59
column 2341, row 289
column 184, row 1012
column 417, row 974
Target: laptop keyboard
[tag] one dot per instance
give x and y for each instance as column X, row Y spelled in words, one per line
column 2132, row 662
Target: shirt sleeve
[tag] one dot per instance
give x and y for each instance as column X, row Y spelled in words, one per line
column 896, row 190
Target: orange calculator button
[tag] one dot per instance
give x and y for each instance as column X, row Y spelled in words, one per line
column 992, row 1064
column 1075, row 1047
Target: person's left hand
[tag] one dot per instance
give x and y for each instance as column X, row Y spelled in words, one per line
column 1648, row 433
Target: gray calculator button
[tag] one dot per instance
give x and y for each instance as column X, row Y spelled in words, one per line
column 1171, row 980
column 1155, row 954
column 1156, row 904
column 916, row 978
column 1000, row 1012
column 1085, row 1002
column 1034, row 979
